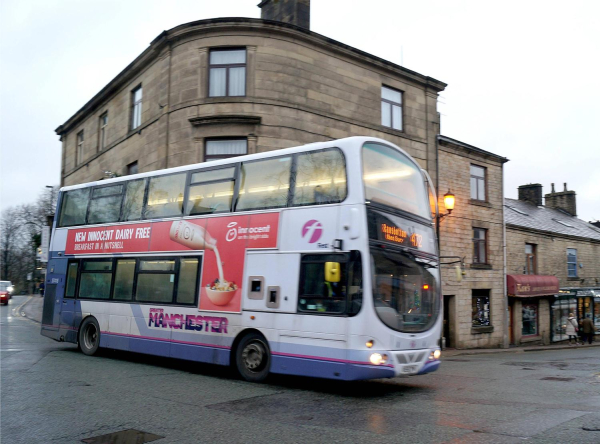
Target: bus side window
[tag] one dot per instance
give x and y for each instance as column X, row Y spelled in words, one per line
column 71, row 283
column 264, row 184
column 320, row 178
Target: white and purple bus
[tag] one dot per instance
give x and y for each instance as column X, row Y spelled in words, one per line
column 319, row 260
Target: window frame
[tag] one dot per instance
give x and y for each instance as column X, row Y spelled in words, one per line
column 294, row 175
column 476, row 242
column 392, row 104
column 134, row 106
column 91, row 198
column 239, row 183
column 114, row 262
column 80, row 139
column 147, row 194
column 81, row 271
column 130, row 166
column 227, row 67
column 530, row 257
column 569, row 275
column 210, row 157
column 102, row 125
column 477, row 179
column 189, row 184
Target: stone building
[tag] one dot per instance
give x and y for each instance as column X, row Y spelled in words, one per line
column 472, row 238
column 553, row 265
column 224, row 87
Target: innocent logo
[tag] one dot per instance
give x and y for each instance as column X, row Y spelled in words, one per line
column 312, row 230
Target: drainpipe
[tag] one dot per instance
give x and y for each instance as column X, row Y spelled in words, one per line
column 505, row 337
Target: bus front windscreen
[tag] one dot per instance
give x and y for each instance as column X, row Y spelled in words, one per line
column 393, row 180
column 405, row 290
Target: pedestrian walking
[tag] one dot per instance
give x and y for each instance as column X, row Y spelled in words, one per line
column 572, row 328
column 587, row 329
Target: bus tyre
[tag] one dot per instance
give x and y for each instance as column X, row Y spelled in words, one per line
column 89, row 336
column 252, row 358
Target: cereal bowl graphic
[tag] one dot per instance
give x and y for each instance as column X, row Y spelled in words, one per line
column 221, row 293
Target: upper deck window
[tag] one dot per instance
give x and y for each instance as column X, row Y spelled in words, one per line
column 392, row 179
column 74, row 207
column 320, row 178
column 165, row 196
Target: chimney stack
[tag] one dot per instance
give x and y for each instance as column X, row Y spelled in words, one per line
column 563, row 200
column 531, row 193
column 294, row 12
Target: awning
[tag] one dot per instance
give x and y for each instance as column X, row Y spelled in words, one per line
column 528, row 285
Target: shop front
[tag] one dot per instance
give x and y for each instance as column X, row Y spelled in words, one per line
column 582, row 302
column 530, row 298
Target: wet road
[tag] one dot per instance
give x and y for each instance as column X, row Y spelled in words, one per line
column 51, row 393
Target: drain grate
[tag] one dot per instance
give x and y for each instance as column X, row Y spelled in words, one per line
column 555, row 378
column 130, row 436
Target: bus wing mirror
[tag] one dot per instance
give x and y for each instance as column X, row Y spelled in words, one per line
column 332, row 271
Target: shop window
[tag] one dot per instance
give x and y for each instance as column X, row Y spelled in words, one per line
column 530, row 319
column 481, row 308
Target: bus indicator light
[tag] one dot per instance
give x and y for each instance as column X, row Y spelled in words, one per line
column 425, row 287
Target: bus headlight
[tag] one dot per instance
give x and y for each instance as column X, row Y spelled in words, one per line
column 435, row 355
column 378, row 359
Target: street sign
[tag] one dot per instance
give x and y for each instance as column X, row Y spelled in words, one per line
column 45, row 244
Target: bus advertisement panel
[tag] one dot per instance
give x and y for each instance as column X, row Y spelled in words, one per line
column 224, row 241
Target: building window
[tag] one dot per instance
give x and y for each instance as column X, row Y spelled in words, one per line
column 481, row 308
column 102, row 131
column 480, row 246
column 530, row 316
column 572, row 262
column 136, row 107
column 79, row 159
column 227, row 73
column 530, row 260
column 477, row 183
column 391, row 108
column 132, row 168
column 224, row 148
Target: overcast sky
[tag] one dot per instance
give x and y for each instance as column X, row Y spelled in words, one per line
column 522, row 75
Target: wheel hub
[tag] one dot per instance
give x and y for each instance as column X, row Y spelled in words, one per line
column 253, row 355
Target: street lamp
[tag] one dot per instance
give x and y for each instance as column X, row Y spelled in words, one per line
column 449, row 201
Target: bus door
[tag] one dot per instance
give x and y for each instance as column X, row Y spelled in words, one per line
column 67, row 308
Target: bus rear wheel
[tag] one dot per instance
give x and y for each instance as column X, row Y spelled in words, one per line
column 253, row 358
column 89, row 336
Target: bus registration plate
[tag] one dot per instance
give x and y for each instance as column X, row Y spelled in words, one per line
column 409, row 369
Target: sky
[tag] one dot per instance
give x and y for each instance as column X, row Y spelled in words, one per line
column 522, row 75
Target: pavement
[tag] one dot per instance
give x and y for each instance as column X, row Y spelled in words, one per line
column 32, row 309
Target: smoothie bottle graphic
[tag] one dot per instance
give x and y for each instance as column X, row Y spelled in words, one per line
column 198, row 238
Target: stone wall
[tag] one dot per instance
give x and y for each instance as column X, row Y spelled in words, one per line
column 303, row 88
column 456, row 234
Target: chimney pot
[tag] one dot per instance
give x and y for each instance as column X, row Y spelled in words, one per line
column 563, row 200
column 531, row 193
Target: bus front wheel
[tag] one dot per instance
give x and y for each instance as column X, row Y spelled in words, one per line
column 253, row 358
column 89, row 336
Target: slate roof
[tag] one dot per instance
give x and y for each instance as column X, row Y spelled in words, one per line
column 527, row 215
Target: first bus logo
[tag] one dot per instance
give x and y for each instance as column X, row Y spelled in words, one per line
column 312, row 231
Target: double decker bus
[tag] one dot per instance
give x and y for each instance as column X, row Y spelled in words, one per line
column 319, row 260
